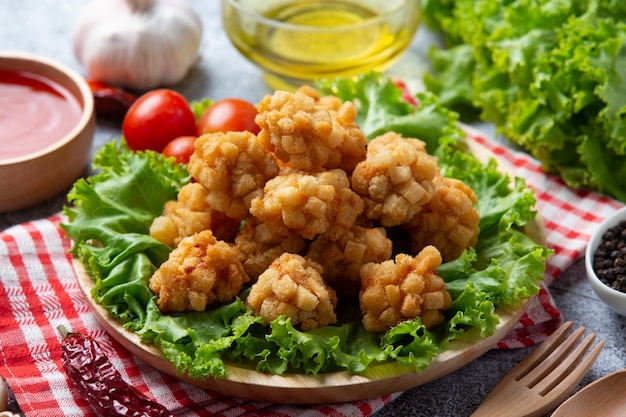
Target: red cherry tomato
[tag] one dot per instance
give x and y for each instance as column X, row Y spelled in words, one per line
column 180, row 148
column 229, row 114
column 156, row 118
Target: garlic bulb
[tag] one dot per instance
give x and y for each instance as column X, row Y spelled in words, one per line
column 139, row 44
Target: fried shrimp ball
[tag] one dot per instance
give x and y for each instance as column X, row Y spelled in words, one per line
column 309, row 204
column 448, row 221
column 233, row 166
column 185, row 216
column 402, row 290
column 293, row 286
column 200, row 271
column 260, row 245
column 396, row 178
column 342, row 259
column 308, row 135
column 189, row 214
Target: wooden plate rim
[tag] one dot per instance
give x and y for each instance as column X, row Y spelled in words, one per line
column 332, row 387
column 306, row 389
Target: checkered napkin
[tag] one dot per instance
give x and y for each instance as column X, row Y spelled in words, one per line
column 39, row 292
column 570, row 217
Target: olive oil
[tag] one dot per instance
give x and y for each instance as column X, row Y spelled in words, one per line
column 322, row 38
column 342, row 47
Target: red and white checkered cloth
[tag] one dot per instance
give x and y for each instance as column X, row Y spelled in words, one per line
column 38, row 292
column 570, row 217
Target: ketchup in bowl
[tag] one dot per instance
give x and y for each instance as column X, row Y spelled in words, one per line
column 47, row 126
column 35, row 112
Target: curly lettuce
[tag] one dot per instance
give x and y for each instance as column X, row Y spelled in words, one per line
column 112, row 212
column 550, row 74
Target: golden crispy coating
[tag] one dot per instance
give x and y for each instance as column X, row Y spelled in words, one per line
column 313, row 193
column 402, row 290
column 311, row 134
column 310, row 205
column 189, row 214
column 292, row 286
column 200, row 271
column 233, row 167
column 396, row 178
column 448, row 221
column 183, row 217
column 260, row 245
column 342, row 259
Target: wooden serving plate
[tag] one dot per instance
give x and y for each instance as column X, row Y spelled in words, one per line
column 308, row 389
column 331, row 387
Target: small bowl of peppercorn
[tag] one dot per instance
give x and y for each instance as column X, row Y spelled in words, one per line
column 605, row 260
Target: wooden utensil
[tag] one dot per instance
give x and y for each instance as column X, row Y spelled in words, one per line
column 4, row 396
column 603, row 397
column 544, row 379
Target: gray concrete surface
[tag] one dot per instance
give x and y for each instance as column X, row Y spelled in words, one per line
column 44, row 27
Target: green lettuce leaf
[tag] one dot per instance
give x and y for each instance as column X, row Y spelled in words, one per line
column 198, row 107
column 380, row 110
column 549, row 74
column 112, row 211
column 110, row 220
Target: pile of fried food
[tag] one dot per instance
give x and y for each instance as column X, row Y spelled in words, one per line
column 301, row 212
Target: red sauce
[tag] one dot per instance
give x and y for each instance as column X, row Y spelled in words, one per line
column 35, row 112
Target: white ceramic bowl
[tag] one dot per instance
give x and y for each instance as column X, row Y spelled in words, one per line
column 615, row 299
column 28, row 179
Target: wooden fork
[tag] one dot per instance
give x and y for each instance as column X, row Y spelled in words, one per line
column 544, row 378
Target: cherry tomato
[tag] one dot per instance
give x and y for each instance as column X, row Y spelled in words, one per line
column 229, row 114
column 181, row 148
column 156, row 118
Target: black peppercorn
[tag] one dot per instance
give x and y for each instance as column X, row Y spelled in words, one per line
column 609, row 260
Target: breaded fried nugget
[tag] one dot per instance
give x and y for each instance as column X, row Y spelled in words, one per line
column 260, row 245
column 396, row 178
column 342, row 259
column 448, row 221
column 183, row 217
column 309, row 204
column 200, row 271
column 233, row 167
column 292, row 286
column 189, row 214
column 309, row 134
column 402, row 290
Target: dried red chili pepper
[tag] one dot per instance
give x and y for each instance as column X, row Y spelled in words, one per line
column 89, row 369
column 110, row 101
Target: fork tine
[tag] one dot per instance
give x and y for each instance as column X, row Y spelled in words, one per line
column 576, row 370
column 566, row 367
column 542, row 351
column 574, row 377
column 555, row 367
column 560, row 391
column 560, row 352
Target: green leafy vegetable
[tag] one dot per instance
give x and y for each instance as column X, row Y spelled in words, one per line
column 109, row 224
column 198, row 107
column 551, row 74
